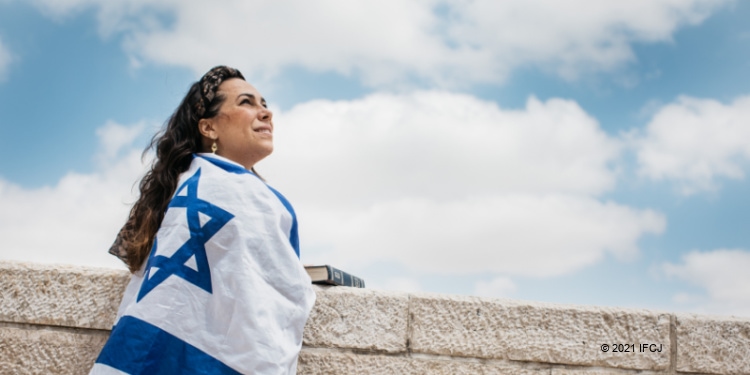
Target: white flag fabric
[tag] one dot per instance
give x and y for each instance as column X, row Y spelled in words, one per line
column 223, row 290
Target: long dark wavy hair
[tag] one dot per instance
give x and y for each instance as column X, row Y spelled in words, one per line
column 175, row 146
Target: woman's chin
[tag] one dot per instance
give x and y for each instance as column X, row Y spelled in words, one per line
column 268, row 148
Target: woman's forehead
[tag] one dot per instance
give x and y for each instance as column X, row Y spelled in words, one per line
column 237, row 86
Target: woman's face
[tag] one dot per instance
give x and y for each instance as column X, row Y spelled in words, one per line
column 243, row 128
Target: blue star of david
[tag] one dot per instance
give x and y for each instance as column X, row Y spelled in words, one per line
column 195, row 246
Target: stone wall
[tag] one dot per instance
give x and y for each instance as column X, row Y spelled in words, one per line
column 55, row 319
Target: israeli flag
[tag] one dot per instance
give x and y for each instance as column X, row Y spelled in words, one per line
column 223, row 290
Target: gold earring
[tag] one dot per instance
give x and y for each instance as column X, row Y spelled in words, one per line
column 214, row 147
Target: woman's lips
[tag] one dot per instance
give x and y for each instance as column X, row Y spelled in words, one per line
column 263, row 130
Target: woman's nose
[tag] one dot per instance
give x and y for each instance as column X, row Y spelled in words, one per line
column 265, row 114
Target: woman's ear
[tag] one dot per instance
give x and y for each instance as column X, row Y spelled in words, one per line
column 206, row 127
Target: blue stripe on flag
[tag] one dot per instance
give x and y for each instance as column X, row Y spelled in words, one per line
column 293, row 236
column 229, row 167
column 138, row 347
column 233, row 168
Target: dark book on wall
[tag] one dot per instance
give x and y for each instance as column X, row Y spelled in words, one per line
column 326, row 274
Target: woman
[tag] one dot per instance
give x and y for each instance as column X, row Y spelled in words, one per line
column 217, row 285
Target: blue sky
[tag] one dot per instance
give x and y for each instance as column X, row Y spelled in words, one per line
column 587, row 154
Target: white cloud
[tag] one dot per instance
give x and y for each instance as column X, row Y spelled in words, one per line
column 76, row 220
column 442, row 145
column 5, row 59
column 696, row 142
column 497, row 287
column 114, row 138
column 723, row 273
column 533, row 235
column 448, row 183
column 568, row 36
column 439, row 41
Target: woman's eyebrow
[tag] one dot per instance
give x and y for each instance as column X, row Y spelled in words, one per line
column 251, row 96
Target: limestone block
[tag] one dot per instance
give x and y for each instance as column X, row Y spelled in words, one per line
column 359, row 319
column 716, row 345
column 335, row 362
column 601, row 371
column 537, row 332
column 60, row 295
column 46, row 351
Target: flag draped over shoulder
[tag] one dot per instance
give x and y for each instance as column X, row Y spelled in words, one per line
column 223, row 291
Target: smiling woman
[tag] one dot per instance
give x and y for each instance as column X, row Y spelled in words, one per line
column 243, row 129
column 217, row 285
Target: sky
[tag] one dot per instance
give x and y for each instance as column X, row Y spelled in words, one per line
column 579, row 152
